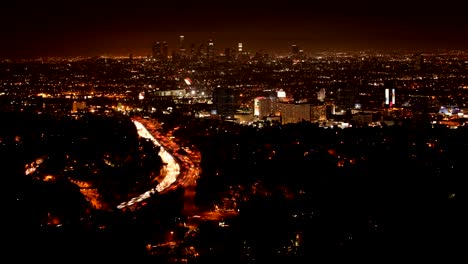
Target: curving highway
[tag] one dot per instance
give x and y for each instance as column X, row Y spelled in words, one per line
column 181, row 167
column 172, row 169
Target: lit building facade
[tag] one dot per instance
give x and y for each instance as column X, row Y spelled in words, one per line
column 318, row 113
column 182, row 45
column 264, row 106
column 160, row 51
column 389, row 97
column 210, row 49
column 294, row 113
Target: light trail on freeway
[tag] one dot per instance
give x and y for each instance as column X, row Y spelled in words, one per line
column 172, row 169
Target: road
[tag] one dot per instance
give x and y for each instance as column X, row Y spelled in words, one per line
column 181, row 167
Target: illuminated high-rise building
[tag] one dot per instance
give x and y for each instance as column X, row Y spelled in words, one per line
column 294, row 113
column 160, row 51
column 239, row 47
column 265, row 106
column 181, row 44
column 294, row 49
column 389, row 97
column 389, row 93
column 156, row 50
column 210, row 51
column 296, row 52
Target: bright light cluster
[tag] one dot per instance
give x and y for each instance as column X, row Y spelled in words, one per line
column 172, row 169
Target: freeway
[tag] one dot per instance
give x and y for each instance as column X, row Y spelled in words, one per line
column 181, row 167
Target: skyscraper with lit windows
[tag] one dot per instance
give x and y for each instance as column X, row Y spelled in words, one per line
column 156, row 50
column 389, row 93
column 160, row 51
column 210, row 49
column 182, row 44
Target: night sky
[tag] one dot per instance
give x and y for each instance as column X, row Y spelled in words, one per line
column 32, row 28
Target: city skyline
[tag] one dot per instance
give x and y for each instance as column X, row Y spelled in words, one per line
column 342, row 157
column 85, row 28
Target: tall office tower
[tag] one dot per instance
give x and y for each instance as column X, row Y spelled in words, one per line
column 294, row 50
column 157, row 50
column 224, row 102
column 239, row 47
column 265, row 106
column 164, row 50
column 347, row 96
column 210, row 51
column 160, row 51
column 181, row 45
column 389, row 92
column 389, row 96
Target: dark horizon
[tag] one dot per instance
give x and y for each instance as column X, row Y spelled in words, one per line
column 84, row 28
